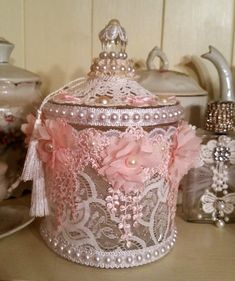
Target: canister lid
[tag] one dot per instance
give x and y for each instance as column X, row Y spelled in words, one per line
column 110, row 82
column 110, row 96
column 220, row 116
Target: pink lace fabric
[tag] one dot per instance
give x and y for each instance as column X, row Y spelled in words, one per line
column 95, row 237
column 127, row 161
column 100, row 151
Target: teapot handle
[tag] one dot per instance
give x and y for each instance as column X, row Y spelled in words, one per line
column 157, row 52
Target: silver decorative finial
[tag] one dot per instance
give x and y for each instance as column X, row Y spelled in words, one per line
column 113, row 37
column 113, row 58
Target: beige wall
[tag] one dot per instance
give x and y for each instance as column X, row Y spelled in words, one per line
column 58, row 38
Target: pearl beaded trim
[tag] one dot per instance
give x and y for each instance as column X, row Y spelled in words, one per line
column 115, row 259
column 114, row 117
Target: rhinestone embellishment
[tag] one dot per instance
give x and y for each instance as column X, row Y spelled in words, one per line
column 222, row 153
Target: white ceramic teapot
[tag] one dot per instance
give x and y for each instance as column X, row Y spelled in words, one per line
column 19, row 89
column 19, row 95
column 224, row 72
column 164, row 82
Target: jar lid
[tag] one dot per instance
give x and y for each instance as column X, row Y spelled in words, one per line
column 220, row 116
column 110, row 96
column 12, row 73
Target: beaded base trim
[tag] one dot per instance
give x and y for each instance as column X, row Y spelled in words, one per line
column 115, row 117
column 117, row 259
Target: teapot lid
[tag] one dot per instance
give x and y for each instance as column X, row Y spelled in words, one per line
column 166, row 82
column 12, row 73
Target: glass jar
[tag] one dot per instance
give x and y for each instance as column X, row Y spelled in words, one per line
column 209, row 189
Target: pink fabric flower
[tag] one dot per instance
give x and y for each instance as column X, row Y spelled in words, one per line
column 127, row 161
column 27, row 128
column 186, row 147
column 55, row 136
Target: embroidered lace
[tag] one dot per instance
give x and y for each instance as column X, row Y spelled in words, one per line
column 93, row 238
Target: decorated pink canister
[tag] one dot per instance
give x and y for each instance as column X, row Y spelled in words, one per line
column 106, row 157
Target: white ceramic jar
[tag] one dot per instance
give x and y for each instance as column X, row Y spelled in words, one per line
column 19, row 95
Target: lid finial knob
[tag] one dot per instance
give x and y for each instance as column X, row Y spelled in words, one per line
column 113, row 37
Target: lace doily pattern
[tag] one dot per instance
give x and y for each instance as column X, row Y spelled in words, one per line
column 114, row 117
column 114, row 87
column 94, row 237
column 109, row 90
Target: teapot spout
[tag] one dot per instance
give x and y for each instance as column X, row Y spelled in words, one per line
column 225, row 75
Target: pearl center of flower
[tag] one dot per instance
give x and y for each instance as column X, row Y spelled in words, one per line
column 131, row 162
column 49, row 147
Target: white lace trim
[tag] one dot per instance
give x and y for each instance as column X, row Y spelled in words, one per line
column 103, row 259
